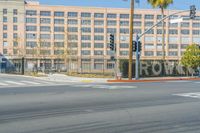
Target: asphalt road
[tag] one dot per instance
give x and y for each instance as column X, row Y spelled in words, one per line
column 165, row 107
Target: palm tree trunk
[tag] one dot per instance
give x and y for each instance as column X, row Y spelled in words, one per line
column 163, row 43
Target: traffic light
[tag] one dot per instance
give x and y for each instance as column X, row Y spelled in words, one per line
column 112, row 42
column 134, row 46
column 140, row 46
column 192, row 12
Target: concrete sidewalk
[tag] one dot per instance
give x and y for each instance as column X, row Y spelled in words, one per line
column 65, row 78
column 153, row 79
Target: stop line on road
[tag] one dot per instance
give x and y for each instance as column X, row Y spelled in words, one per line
column 105, row 87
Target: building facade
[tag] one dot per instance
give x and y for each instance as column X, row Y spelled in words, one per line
column 78, row 37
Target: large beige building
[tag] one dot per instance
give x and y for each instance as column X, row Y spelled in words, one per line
column 78, row 37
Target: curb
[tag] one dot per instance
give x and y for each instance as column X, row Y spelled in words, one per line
column 143, row 81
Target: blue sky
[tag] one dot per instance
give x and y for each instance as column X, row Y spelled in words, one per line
column 178, row 4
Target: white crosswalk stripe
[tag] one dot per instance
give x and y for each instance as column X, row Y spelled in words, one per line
column 16, row 83
column 30, row 82
column 192, row 95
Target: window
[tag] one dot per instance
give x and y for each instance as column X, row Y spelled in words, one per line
column 98, row 22
column 5, row 51
column 45, row 20
column 148, row 24
column 31, row 20
column 124, row 45
column 45, row 36
column 72, row 29
column 45, row 52
column 160, row 24
column 45, row 28
column 59, row 36
column 185, row 40
column 173, row 53
column 196, row 40
column 173, row 46
column 15, row 35
column 124, row 30
column 173, row 32
column 85, row 37
column 111, row 23
column 196, row 25
column 185, row 32
column 137, row 23
column 72, row 37
column 31, row 12
column 15, row 12
column 5, row 27
column 86, row 22
column 111, row 30
column 58, row 52
column 15, row 44
column 5, row 44
column 137, row 31
column 59, row 21
column 45, row 44
column 148, row 53
column 45, row 13
column 5, row 11
column 185, row 24
column 173, row 25
column 59, row 29
column 99, row 15
column 98, row 37
column 31, row 44
column 148, row 16
column 72, row 14
column 184, row 46
column 98, row 66
column 124, row 23
column 5, row 35
column 14, row 19
column 31, row 28
column 173, row 39
column 86, row 29
column 59, row 14
column 196, row 32
column 15, row 28
column 149, row 39
column 86, row 14
column 98, row 45
column 150, row 31
column 137, row 16
column 5, row 19
column 85, row 52
column 124, row 53
column 99, row 30
column 110, row 15
column 148, row 46
column 59, row 44
column 124, row 16
column 72, row 22
column 31, row 36
column 98, row 52
column 86, row 45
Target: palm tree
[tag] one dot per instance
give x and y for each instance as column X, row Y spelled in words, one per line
column 162, row 4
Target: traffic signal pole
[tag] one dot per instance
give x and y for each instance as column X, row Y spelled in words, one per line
column 192, row 16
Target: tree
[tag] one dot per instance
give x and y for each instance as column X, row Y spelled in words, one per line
column 191, row 57
column 162, row 4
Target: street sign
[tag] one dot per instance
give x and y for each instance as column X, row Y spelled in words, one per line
column 177, row 20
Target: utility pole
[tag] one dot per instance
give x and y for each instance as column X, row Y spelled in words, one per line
column 131, row 41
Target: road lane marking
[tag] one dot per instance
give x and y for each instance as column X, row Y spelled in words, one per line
column 30, row 82
column 3, row 84
column 13, row 82
column 191, row 95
